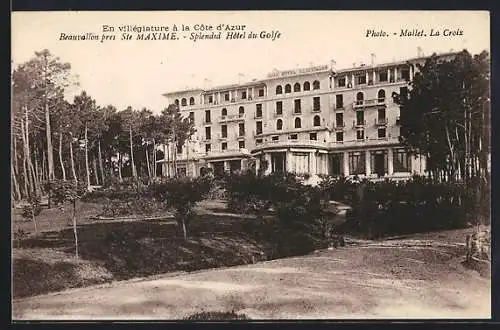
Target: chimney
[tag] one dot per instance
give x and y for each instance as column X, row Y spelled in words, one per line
column 353, row 64
column 372, row 55
column 419, row 51
column 333, row 65
column 207, row 84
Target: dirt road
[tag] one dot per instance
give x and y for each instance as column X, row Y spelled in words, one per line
column 393, row 279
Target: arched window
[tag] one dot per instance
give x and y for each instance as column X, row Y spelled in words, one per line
column 176, row 102
column 296, row 87
column 317, row 121
column 381, row 95
column 279, row 124
column 316, row 84
column 279, row 90
column 241, row 111
column 288, row 88
column 191, row 101
column 298, row 124
column 223, row 112
column 359, row 98
column 307, row 86
column 183, row 102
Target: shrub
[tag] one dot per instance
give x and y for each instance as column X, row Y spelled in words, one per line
column 216, row 316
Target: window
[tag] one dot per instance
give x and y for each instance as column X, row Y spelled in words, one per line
column 381, row 133
column 244, row 95
column 279, row 107
column 208, row 147
column 341, row 82
column 339, row 101
column 275, row 138
column 258, row 141
column 405, row 74
column 361, row 79
column 191, row 101
column 357, row 163
column 176, row 102
column 224, row 146
column 223, row 129
column 316, row 121
column 316, row 104
column 179, row 148
column 382, row 76
column 223, row 112
column 316, row 84
column 183, row 102
column 360, row 134
column 241, row 111
column 261, row 92
column 293, row 137
column 381, row 96
column 279, row 124
column 258, row 127
column 207, row 116
column 360, row 117
column 258, row 110
column 381, row 115
column 339, row 119
column 313, row 136
column 307, row 86
column 226, row 96
column 210, row 99
column 241, row 144
column 339, row 136
column 298, row 123
column 359, row 98
column 279, row 90
column 297, row 108
column 296, row 87
column 241, row 129
column 191, row 117
column 401, row 161
column 288, row 88
column 208, row 133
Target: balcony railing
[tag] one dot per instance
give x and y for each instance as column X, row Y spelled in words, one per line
column 238, row 117
column 380, row 121
column 316, row 109
column 358, row 124
column 221, row 136
column 293, row 143
column 221, row 152
column 368, row 103
column 258, row 133
column 297, row 111
column 339, row 126
column 207, row 121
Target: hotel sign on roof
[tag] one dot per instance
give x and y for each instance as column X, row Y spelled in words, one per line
column 287, row 73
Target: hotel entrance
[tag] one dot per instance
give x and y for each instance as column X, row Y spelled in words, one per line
column 379, row 162
column 278, row 162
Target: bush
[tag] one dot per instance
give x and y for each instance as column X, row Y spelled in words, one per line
column 216, row 316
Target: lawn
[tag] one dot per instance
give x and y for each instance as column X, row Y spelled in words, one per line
column 118, row 250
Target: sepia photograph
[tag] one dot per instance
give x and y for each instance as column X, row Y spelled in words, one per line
column 250, row 165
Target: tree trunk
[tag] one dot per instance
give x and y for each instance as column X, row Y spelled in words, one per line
column 147, row 163
column 44, row 166
column 187, row 158
column 120, row 166
column 154, row 158
column 451, row 149
column 167, row 154
column 73, row 170
column 132, row 163
column 75, row 233
column 96, row 175
column 37, row 169
column 184, row 229
column 50, row 158
column 87, row 157
column 27, row 176
column 63, row 170
column 101, row 167
column 17, row 192
column 33, row 217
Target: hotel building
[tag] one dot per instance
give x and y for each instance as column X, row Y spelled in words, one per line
column 315, row 120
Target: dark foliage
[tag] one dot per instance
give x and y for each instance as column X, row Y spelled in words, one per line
column 216, row 316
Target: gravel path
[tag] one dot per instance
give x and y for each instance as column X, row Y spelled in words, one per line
column 391, row 279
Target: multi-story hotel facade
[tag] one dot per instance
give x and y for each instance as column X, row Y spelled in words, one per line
column 315, row 120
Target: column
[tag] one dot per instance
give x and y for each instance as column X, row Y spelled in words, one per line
column 411, row 72
column 345, row 160
column 367, row 77
column 248, row 93
column 368, row 169
column 388, row 75
column 253, row 93
column 226, row 166
column 312, row 163
column 257, row 165
column 374, row 76
column 352, row 80
column 267, row 157
column 390, row 162
column 218, row 97
column 288, row 161
column 395, row 74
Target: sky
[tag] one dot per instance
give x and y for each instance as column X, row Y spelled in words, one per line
column 137, row 72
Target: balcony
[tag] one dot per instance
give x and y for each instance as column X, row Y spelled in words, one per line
column 339, row 126
column 369, row 103
column 257, row 116
column 258, row 134
column 230, row 118
column 297, row 111
column 221, row 137
column 233, row 152
column 381, row 121
column 292, row 144
column 316, row 109
column 276, row 115
column 207, row 121
column 358, row 124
